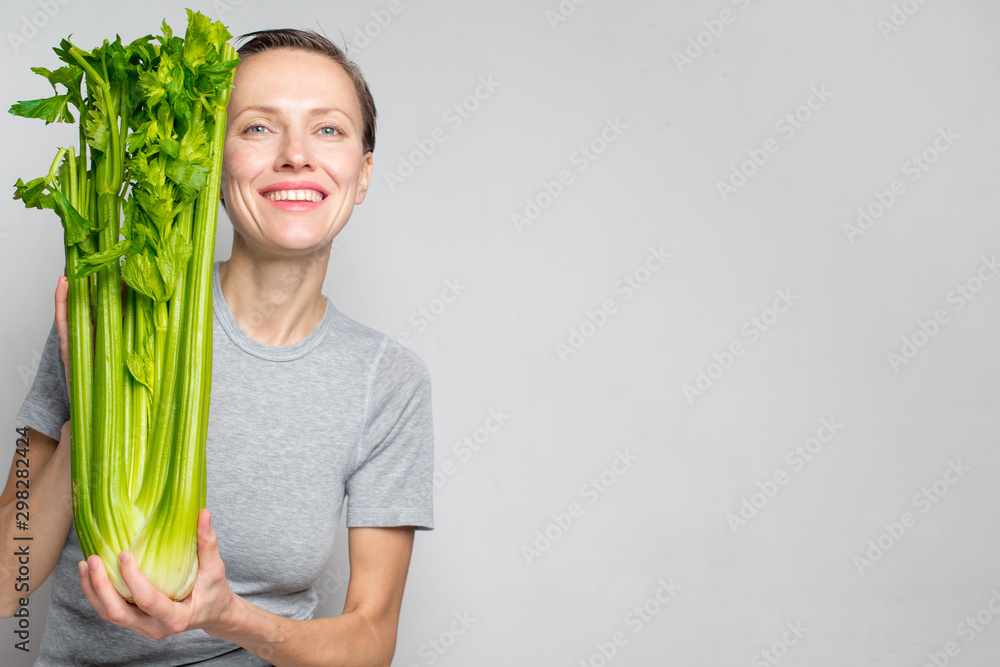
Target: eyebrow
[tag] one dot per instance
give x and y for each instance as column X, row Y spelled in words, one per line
column 319, row 111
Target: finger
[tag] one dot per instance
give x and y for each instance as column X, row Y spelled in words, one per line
column 113, row 608
column 208, row 545
column 144, row 594
column 101, row 582
column 62, row 322
column 88, row 589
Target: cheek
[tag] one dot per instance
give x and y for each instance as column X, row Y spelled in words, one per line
column 227, row 190
column 237, row 166
column 227, row 176
column 347, row 167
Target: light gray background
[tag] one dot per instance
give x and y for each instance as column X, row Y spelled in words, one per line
column 666, row 517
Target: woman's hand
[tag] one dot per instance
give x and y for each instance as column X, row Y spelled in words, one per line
column 62, row 323
column 154, row 615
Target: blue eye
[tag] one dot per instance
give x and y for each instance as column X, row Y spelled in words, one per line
column 256, row 129
column 330, row 130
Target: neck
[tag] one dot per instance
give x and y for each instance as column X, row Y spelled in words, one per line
column 276, row 301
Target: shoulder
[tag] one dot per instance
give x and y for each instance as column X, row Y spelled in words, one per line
column 388, row 361
column 401, row 362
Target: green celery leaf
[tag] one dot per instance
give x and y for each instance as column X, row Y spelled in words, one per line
column 132, row 229
column 170, row 146
column 157, row 206
column 33, row 192
column 50, row 109
column 141, row 273
column 165, row 131
column 181, row 105
column 139, row 137
column 190, row 175
column 67, row 76
column 168, row 33
column 94, row 262
column 141, row 365
column 172, row 258
column 77, row 227
column 63, row 51
column 118, row 60
column 96, row 131
column 196, row 39
column 152, row 88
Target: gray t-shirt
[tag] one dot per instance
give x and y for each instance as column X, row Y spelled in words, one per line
column 291, row 430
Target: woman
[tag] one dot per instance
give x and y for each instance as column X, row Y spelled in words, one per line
column 306, row 405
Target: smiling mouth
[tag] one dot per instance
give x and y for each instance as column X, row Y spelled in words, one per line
column 294, row 195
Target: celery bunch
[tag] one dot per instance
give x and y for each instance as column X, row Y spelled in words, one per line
column 139, row 201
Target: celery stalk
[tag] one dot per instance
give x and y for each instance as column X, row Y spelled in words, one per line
column 152, row 122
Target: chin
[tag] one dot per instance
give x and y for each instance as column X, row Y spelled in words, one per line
column 303, row 245
column 288, row 240
column 297, row 237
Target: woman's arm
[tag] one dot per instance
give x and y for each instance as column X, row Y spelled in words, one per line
column 50, row 495
column 365, row 634
column 50, row 503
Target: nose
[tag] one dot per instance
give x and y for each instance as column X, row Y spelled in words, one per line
column 294, row 153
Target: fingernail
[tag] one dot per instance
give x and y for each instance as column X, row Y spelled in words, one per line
column 123, row 558
column 83, row 568
column 93, row 565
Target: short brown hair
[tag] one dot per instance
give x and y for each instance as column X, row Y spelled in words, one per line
column 307, row 40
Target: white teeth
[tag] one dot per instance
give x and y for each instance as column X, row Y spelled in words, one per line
column 294, row 195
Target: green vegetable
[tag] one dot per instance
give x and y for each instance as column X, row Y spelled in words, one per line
column 139, row 201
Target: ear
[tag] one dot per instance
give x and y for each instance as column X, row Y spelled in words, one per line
column 364, row 178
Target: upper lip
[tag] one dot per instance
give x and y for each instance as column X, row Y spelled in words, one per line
column 293, row 185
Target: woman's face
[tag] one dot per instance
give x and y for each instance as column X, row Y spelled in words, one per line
column 293, row 164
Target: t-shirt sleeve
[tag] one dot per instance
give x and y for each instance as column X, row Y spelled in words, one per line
column 46, row 407
column 393, row 479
